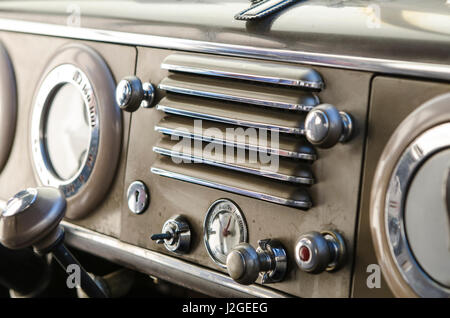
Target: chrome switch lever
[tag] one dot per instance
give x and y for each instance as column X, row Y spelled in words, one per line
column 245, row 263
column 325, row 126
column 131, row 94
column 175, row 235
column 317, row 252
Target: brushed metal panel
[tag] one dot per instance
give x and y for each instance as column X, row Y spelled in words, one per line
column 335, row 195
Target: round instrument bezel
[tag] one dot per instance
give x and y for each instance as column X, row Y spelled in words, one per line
column 423, row 147
column 210, row 214
column 61, row 75
column 81, row 66
column 8, row 102
column 425, row 132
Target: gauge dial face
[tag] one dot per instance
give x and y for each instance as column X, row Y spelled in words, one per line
column 224, row 228
column 67, row 132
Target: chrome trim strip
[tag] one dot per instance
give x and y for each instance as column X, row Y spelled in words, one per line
column 243, row 76
column 165, row 267
column 387, row 66
column 238, row 99
column 234, row 166
column 238, row 122
column 223, row 187
column 236, row 144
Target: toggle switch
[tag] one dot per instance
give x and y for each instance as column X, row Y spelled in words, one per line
column 175, row 235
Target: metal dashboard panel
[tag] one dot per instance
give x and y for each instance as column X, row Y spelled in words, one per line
column 30, row 55
column 335, row 195
column 392, row 100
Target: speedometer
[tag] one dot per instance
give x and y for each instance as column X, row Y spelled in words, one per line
column 224, row 228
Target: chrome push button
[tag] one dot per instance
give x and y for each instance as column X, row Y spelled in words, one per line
column 317, row 252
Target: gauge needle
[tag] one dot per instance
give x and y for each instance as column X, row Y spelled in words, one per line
column 225, row 230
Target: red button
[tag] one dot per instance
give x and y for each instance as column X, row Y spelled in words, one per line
column 305, row 254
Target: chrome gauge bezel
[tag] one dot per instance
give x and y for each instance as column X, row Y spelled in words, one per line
column 211, row 213
column 422, row 148
column 53, row 81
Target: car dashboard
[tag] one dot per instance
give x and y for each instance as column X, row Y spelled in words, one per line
column 236, row 152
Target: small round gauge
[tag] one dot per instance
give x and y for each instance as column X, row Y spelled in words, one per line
column 224, row 228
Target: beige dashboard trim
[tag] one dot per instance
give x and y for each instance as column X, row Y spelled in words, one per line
column 165, row 267
column 385, row 66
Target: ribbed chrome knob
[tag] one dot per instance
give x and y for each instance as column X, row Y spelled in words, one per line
column 317, row 252
column 325, row 126
column 131, row 94
column 245, row 263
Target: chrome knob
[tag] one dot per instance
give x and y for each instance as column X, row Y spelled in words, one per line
column 317, row 252
column 325, row 126
column 31, row 218
column 175, row 235
column 131, row 94
column 245, row 263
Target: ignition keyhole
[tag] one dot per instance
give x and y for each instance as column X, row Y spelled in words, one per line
column 136, row 196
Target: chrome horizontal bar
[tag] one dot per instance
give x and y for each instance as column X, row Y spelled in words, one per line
column 241, row 76
column 384, row 66
column 232, row 121
column 277, row 74
column 246, row 146
column 234, row 166
column 162, row 266
column 238, row 98
column 234, row 189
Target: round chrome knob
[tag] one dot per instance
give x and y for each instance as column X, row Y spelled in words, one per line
column 31, row 218
column 325, row 126
column 317, row 252
column 245, row 263
column 131, row 94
